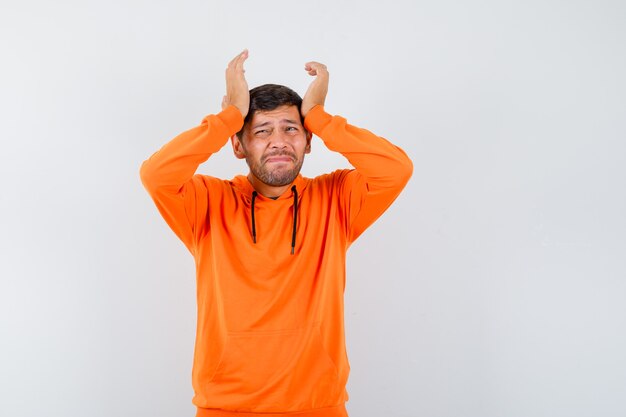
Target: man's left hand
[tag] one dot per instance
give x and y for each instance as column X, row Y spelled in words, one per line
column 316, row 93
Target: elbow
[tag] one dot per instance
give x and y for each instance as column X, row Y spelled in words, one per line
column 404, row 171
column 146, row 174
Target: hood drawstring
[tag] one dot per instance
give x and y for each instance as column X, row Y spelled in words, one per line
column 252, row 212
column 295, row 218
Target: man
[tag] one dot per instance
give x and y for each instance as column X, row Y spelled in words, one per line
column 270, row 247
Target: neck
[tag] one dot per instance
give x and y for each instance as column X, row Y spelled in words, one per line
column 266, row 190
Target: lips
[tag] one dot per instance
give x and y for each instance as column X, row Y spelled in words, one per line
column 279, row 158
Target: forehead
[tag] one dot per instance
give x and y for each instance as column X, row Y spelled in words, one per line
column 278, row 115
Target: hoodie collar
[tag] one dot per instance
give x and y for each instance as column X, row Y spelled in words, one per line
column 242, row 184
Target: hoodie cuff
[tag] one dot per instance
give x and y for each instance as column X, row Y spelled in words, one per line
column 232, row 119
column 317, row 119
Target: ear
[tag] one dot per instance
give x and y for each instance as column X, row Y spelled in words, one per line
column 309, row 136
column 237, row 147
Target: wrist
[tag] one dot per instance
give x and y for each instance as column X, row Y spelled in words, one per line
column 316, row 119
column 232, row 118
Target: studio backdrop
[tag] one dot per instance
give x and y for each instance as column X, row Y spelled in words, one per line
column 495, row 284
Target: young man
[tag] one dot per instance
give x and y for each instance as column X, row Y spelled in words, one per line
column 270, row 247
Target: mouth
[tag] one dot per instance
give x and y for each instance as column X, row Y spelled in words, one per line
column 278, row 159
column 281, row 158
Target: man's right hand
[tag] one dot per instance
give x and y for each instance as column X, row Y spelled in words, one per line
column 237, row 92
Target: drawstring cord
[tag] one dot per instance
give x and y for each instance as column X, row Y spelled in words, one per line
column 253, row 224
column 295, row 218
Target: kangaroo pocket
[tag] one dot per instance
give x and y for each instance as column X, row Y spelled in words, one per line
column 274, row 371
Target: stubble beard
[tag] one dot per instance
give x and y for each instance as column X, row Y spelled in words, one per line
column 279, row 176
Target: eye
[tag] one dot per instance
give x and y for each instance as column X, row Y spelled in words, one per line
column 291, row 128
column 261, row 132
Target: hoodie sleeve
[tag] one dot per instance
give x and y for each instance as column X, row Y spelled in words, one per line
column 381, row 168
column 168, row 175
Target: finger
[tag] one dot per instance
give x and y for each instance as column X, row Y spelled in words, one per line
column 315, row 68
column 314, row 64
column 309, row 69
column 233, row 61
column 241, row 59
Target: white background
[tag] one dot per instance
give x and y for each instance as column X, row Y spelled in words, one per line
column 494, row 286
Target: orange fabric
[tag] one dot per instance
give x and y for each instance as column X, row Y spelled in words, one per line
column 270, row 330
column 339, row 411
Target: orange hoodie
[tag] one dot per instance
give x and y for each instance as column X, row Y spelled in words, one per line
column 270, row 330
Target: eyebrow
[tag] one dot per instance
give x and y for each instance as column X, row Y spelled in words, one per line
column 288, row 121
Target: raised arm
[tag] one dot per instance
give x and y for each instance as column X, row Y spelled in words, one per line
column 168, row 175
column 381, row 168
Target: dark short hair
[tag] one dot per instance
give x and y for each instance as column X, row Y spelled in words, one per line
column 268, row 97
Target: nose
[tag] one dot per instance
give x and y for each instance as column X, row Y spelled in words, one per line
column 278, row 140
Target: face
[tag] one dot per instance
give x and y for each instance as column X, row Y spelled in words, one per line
column 274, row 144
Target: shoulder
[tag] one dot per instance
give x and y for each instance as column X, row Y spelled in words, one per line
column 213, row 185
column 332, row 180
column 208, row 180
